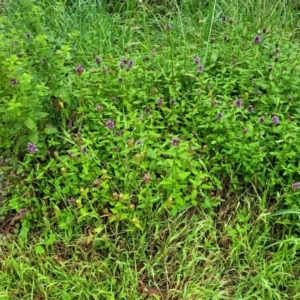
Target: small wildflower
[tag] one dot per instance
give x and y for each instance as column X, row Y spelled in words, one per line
column 23, row 211
column 257, row 39
column 160, row 102
column 200, row 68
column 98, row 60
column 138, row 142
column 79, row 69
column 99, row 107
column 148, row 110
column 84, row 149
column 197, row 60
column 219, row 115
column 146, row 177
column 32, row 148
column 124, row 60
column 122, row 65
column 295, row 185
column 223, row 19
column 261, row 120
column 14, row 81
column 250, row 108
column 238, row 102
column 70, row 153
column 275, row 120
column 71, row 201
column 110, row 124
column 168, row 26
column 175, row 141
column 130, row 64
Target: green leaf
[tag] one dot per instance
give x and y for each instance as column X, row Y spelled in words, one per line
column 29, row 123
column 39, row 249
column 50, row 130
column 33, row 137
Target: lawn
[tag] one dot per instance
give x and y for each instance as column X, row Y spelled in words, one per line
column 149, row 149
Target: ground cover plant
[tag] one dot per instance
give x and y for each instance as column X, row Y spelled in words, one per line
column 149, row 150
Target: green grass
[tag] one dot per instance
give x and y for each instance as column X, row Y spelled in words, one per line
column 218, row 218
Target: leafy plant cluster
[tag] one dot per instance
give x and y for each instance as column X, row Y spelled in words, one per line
column 109, row 137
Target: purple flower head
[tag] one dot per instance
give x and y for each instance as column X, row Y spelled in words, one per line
column 200, row 68
column 250, row 108
column 295, row 185
column 261, row 120
column 98, row 60
column 238, row 102
column 275, row 120
column 175, row 141
column 84, row 149
column 168, row 26
column 14, row 81
column 70, row 153
column 148, row 110
column 146, row 177
column 160, row 102
column 99, row 107
column 219, row 115
column 71, row 201
column 197, row 60
column 223, row 19
column 23, row 211
column 130, row 64
column 32, row 148
column 79, row 69
column 257, row 39
column 110, row 124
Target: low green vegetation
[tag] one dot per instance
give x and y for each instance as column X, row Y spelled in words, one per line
column 149, row 150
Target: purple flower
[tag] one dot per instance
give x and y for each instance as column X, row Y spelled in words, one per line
column 275, row 120
column 197, row 60
column 71, row 201
column 223, row 18
column 98, row 60
column 130, row 64
column 168, row 26
column 257, row 39
column 146, row 177
column 110, row 124
column 219, row 115
column 261, row 120
column 32, row 148
column 70, row 153
column 238, row 102
column 175, row 141
column 200, row 68
column 295, row 185
column 14, row 81
column 79, row 69
column 148, row 110
column 23, row 211
column 84, row 149
column 160, row 102
column 250, row 108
